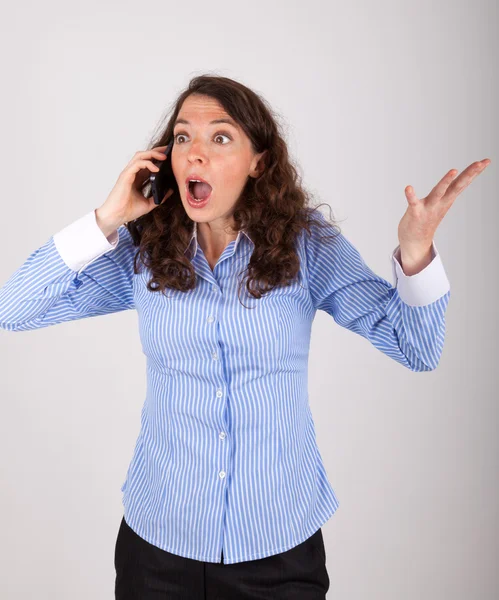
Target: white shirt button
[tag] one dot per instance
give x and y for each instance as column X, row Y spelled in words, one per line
column 222, row 435
column 211, row 318
column 221, row 474
column 219, row 393
column 214, row 355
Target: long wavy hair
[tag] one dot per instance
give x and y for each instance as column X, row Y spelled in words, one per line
column 273, row 208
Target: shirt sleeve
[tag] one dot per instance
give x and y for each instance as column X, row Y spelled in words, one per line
column 405, row 321
column 77, row 273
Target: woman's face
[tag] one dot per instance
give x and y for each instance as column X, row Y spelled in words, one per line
column 219, row 153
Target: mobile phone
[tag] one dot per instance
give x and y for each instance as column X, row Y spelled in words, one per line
column 158, row 184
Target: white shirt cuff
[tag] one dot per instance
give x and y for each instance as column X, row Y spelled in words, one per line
column 83, row 241
column 424, row 287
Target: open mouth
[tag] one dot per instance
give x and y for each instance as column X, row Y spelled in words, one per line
column 199, row 190
column 198, row 193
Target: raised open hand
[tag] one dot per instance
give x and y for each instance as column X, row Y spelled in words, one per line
column 423, row 216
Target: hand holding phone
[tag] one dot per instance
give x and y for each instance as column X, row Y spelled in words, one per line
column 126, row 202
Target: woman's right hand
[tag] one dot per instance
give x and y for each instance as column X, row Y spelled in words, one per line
column 126, row 202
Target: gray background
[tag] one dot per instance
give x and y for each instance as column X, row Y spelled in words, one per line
column 374, row 97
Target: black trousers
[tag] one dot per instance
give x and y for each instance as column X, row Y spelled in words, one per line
column 146, row 572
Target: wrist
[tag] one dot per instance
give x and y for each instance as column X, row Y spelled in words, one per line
column 107, row 224
column 413, row 261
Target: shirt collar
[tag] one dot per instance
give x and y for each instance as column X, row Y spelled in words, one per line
column 194, row 239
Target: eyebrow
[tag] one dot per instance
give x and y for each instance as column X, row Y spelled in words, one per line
column 223, row 120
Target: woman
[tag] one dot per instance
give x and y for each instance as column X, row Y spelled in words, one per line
column 226, row 491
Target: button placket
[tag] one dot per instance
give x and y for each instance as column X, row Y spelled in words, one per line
column 219, row 393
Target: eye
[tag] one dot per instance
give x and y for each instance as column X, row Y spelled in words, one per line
column 223, row 135
column 177, row 135
column 219, row 134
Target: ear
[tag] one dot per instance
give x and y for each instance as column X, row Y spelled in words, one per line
column 257, row 165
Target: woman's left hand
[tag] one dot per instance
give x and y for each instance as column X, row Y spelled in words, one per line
column 422, row 217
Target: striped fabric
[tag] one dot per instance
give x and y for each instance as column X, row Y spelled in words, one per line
column 226, row 457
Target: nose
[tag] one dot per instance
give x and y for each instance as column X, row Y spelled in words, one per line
column 196, row 151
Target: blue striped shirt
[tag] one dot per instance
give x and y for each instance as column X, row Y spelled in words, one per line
column 226, row 457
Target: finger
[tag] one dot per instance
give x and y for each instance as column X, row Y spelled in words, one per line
column 153, row 152
column 139, row 164
column 466, row 177
column 410, row 194
column 442, row 186
column 131, row 172
column 141, row 155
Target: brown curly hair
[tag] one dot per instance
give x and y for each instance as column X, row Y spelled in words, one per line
column 273, row 208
